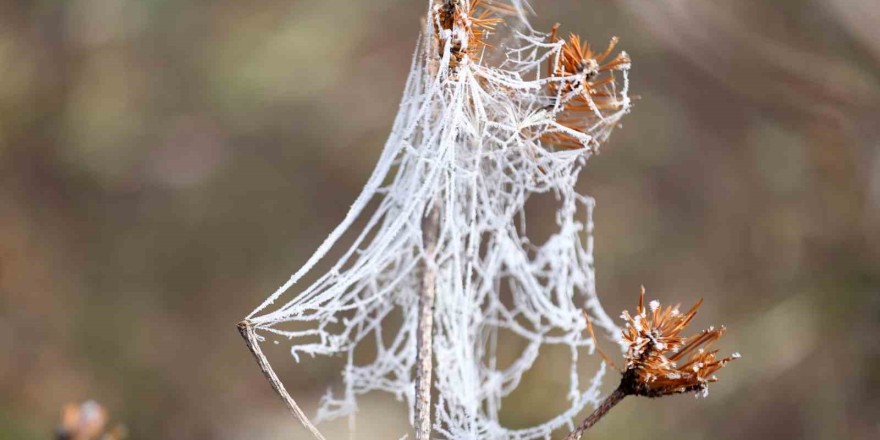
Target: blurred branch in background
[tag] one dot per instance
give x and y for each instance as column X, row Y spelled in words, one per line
column 731, row 42
column 861, row 19
column 753, row 49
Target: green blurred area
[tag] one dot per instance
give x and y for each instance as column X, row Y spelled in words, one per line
column 164, row 165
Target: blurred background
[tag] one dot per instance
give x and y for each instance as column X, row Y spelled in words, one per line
column 165, row 165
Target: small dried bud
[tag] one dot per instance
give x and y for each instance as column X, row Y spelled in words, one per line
column 86, row 421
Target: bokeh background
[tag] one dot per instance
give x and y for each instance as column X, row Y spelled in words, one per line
column 164, row 165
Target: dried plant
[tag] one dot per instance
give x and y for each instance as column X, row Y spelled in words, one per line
column 465, row 26
column 87, row 421
column 478, row 133
column 482, row 128
column 656, row 351
column 659, row 361
column 587, row 84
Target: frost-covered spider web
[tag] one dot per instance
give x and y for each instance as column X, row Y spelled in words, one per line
column 472, row 141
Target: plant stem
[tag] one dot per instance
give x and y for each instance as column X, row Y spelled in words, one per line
column 250, row 338
column 600, row 412
column 425, row 331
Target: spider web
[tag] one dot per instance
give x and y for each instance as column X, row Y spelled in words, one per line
column 468, row 140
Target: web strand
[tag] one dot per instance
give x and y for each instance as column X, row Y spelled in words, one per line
column 477, row 138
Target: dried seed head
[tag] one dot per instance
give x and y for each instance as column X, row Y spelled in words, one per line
column 87, row 421
column 82, row 421
column 585, row 84
column 584, row 69
column 659, row 361
column 465, row 26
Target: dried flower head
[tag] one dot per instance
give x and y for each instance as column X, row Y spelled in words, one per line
column 586, row 85
column 465, row 26
column 86, row 421
column 583, row 67
column 659, row 361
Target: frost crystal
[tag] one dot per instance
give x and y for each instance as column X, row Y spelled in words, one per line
column 475, row 137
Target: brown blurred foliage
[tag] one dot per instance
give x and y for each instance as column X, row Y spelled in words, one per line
column 87, row 421
column 165, row 164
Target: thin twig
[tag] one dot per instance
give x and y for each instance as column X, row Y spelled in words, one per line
column 250, row 338
column 425, row 331
column 600, row 412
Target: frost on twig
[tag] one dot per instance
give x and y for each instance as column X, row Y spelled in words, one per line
column 492, row 114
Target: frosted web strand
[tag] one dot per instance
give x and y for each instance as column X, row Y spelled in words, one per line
column 474, row 139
